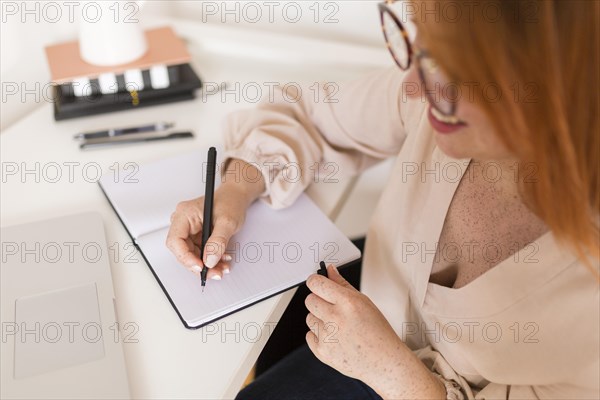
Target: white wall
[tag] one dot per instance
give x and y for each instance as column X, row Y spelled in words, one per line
column 346, row 20
column 22, row 59
column 27, row 27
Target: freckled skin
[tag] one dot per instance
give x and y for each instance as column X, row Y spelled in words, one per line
column 482, row 211
column 364, row 345
column 488, row 222
column 488, row 215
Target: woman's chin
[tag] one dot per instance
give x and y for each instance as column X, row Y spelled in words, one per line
column 452, row 146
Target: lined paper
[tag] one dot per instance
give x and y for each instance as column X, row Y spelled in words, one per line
column 274, row 251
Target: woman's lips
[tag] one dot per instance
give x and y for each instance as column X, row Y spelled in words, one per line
column 443, row 127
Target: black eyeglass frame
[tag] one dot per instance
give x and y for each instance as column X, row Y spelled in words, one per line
column 417, row 53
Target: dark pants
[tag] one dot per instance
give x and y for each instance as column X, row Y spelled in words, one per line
column 301, row 376
column 287, row 369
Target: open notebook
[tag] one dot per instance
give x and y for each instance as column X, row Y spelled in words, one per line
column 275, row 250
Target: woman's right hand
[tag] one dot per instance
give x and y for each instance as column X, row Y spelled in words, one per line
column 231, row 202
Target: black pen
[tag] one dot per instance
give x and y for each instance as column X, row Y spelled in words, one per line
column 209, row 195
column 323, row 269
column 161, row 126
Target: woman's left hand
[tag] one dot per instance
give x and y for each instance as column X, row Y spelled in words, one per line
column 347, row 331
column 350, row 334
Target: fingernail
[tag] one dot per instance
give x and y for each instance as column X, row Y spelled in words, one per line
column 216, row 277
column 212, row 260
column 227, row 257
column 226, row 270
column 196, row 268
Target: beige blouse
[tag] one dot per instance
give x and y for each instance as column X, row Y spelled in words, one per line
column 527, row 328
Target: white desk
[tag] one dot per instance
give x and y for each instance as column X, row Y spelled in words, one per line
column 167, row 360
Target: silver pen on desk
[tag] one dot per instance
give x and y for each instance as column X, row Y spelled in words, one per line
column 159, row 127
column 113, row 142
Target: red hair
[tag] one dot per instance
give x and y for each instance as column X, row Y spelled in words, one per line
column 543, row 57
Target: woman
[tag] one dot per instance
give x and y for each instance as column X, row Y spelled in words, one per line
column 480, row 271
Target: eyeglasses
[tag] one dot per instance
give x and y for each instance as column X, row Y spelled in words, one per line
column 440, row 93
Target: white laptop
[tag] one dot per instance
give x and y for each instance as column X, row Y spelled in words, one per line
column 60, row 336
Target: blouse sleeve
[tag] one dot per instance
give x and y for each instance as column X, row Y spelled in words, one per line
column 582, row 384
column 300, row 133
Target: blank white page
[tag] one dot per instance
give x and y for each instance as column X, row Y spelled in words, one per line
column 145, row 196
column 275, row 250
